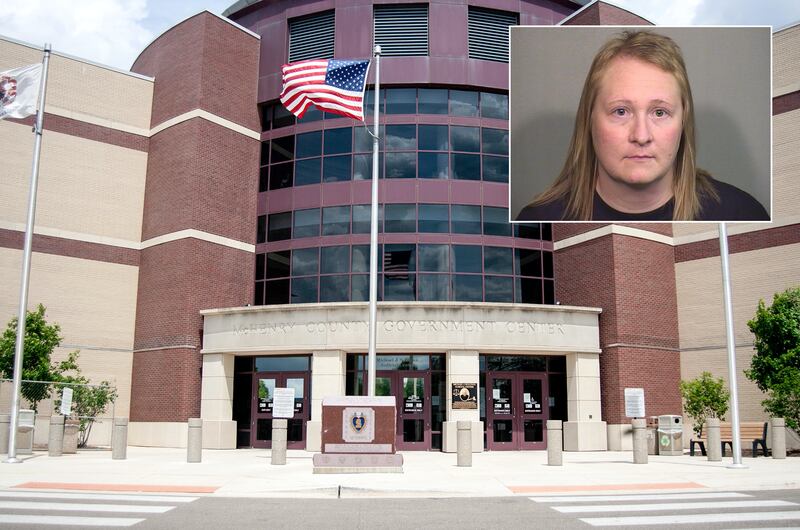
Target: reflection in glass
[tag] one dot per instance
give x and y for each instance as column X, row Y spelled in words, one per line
column 383, row 386
column 498, row 260
column 432, row 101
column 494, row 141
column 334, row 259
column 467, row 288
column 495, row 221
column 401, row 165
column 466, row 167
column 307, row 171
column 465, row 138
column 309, row 144
column 335, row 220
column 336, row 168
column 338, row 141
column 433, row 165
column 495, row 168
column 433, row 138
column 306, row 223
column 400, row 218
column 434, row 287
column 467, row 258
column 279, row 226
column 466, row 219
column 399, row 288
column 282, row 364
column 362, row 140
column 434, row 218
column 434, row 258
column 494, row 105
column 401, row 137
column 304, row 290
column 499, row 288
column 401, row 101
column 399, row 258
column 359, row 288
column 305, row 261
column 463, row 103
column 334, row 288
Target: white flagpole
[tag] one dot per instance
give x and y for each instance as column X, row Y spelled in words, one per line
column 26, row 265
column 726, row 289
column 373, row 234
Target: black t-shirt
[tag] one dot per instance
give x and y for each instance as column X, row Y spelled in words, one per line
column 733, row 205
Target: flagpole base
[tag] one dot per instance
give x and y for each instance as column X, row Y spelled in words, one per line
column 737, row 466
column 13, row 460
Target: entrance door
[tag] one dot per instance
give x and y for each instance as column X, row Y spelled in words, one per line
column 264, row 384
column 516, row 411
column 412, row 391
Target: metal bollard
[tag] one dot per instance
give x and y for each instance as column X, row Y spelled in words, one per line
column 555, row 443
column 119, row 439
column 194, row 441
column 279, row 426
column 639, row 440
column 55, row 436
column 778, row 428
column 464, row 443
column 5, row 425
column 714, row 449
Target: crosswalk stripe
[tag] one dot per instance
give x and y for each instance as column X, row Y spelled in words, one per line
column 72, row 507
column 664, row 506
column 639, row 497
column 96, row 496
column 692, row 519
column 65, row 520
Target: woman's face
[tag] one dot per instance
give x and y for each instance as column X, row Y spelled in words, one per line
column 637, row 119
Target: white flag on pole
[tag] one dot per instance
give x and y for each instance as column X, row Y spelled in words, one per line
column 19, row 91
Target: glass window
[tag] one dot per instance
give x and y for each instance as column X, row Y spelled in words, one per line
column 528, row 290
column 282, row 149
column 401, row 137
column 467, row 258
column 399, row 258
column 494, row 106
column 465, row 138
column 547, row 264
column 335, row 220
column 266, row 117
column 463, row 103
column 528, row 262
column 466, row 167
column 305, row 261
column 466, row 219
column 338, row 141
column 280, row 175
column 434, row 287
column 467, row 288
column 547, row 232
column 434, row 218
column 399, row 288
column 336, row 168
column 263, row 179
column 279, row 226
column 527, row 230
column 304, row 290
column 334, row 288
column 281, row 117
column 549, row 292
column 495, row 221
column 432, row 101
column 434, row 258
column 401, row 165
column 433, row 138
column 369, row 102
column 359, row 288
column 282, row 364
column 498, row 260
column 258, row 296
column 362, row 167
column 277, row 292
column 278, row 264
column 260, row 266
column 261, row 229
column 433, row 165
column 361, row 218
column 362, row 140
column 306, row 223
column 400, row 218
column 265, row 152
column 334, row 259
column 309, row 144
column 312, row 114
column 360, row 258
column 307, row 171
column 499, row 288
column 494, row 141
column 401, row 101
column 495, row 168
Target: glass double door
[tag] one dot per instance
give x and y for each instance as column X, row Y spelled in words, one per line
column 412, row 392
column 264, row 385
column 516, row 410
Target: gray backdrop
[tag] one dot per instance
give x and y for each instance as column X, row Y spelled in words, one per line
column 729, row 71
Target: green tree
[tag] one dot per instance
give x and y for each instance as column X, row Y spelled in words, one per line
column 704, row 397
column 775, row 367
column 88, row 403
column 41, row 339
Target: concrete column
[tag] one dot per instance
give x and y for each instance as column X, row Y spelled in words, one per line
column 327, row 379
column 778, row 428
column 555, row 443
column 119, row 439
column 463, row 366
column 279, row 426
column 194, row 441
column 584, row 429
column 714, row 443
column 216, row 401
column 639, row 440
column 464, row 444
column 55, row 436
column 5, row 425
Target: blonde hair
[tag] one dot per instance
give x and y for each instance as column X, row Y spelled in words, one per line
column 577, row 180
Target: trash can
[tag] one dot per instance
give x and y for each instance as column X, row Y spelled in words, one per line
column 670, row 435
column 652, row 435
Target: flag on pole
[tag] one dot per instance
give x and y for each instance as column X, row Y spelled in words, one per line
column 19, row 91
column 332, row 85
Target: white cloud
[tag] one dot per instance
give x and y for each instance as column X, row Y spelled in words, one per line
column 110, row 32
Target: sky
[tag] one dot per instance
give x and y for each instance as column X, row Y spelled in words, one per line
column 114, row 32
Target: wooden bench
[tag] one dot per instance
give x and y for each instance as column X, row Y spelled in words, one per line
column 753, row 431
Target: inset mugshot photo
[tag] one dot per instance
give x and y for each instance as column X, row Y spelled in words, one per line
column 640, row 123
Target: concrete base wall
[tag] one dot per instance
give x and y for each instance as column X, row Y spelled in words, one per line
column 585, row 436
column 620, row 437
column 450, row 437
column 158, row 434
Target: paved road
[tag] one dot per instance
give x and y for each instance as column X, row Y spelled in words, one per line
column 44, row 510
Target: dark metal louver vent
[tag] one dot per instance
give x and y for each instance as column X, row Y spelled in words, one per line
column 401, row 29
column 488, row 33
column 311, row 37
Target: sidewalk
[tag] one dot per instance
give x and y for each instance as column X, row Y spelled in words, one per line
column 248, row 473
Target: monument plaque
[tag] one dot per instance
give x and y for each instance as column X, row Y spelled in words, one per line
column 465, row 395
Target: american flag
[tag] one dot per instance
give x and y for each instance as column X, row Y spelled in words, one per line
column 332, row 85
